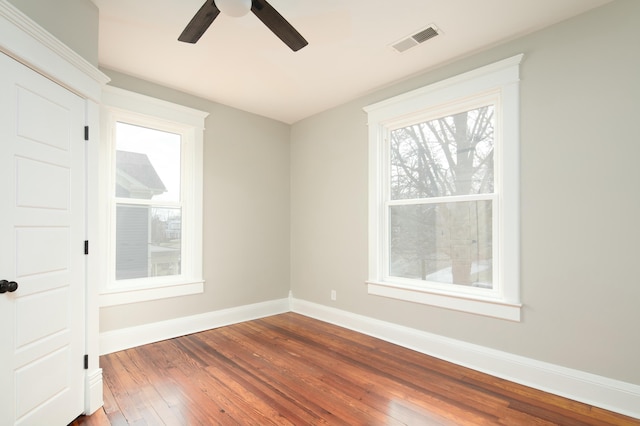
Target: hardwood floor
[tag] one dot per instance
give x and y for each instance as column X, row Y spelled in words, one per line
column 293, row 370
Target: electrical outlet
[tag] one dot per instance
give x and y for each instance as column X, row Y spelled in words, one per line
column 333, row 295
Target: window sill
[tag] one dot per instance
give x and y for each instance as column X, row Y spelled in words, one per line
column 491, row 308
column 134, row 295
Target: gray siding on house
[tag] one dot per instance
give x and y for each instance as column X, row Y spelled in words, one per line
column 132, row 237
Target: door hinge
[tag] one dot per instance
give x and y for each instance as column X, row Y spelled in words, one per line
column 86, row 246
column 86, row 361
column 86, row 133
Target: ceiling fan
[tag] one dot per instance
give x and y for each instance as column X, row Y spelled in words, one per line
column 263, row 10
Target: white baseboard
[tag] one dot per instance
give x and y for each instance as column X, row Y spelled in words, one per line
column 599, row 391
column 93, row 391
column 118, row 340
column 588, row 388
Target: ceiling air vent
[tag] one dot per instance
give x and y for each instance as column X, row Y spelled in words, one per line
column 415, row 39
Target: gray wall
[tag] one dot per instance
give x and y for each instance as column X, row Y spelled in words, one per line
column 73, row 22
column 580, row 285
column 246, row 212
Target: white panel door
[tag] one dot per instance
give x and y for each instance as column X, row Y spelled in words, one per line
column 42, row 228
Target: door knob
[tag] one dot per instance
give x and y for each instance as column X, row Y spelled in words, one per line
column 8, row 286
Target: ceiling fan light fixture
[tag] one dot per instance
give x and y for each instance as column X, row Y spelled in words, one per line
column 235, row 8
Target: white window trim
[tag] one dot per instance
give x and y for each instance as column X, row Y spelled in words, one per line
column 503, row 78
column 117, row 105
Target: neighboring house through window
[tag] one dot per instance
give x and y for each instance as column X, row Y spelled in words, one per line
column 444, row 193
column 152, row 162
column 145, row 206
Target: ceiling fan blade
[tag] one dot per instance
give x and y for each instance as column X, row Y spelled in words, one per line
column 200, row 22
column 278, row 25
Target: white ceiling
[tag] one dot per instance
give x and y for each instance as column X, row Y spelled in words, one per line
column 240, row 63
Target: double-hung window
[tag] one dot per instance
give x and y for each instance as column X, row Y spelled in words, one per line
column 443, row 210
column 152, row 169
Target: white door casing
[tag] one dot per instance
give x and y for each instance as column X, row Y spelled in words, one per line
column 42, row 227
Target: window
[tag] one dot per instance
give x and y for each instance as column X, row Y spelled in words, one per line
column 443, row 213
column 152, row 154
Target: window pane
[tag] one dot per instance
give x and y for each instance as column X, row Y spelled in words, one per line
column 452, row 155
column 148, row 241
column 443, row 242
column 147, row 163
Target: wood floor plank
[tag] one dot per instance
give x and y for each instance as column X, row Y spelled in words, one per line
column 293, row 370
column 397, row 378
column 258, row 378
